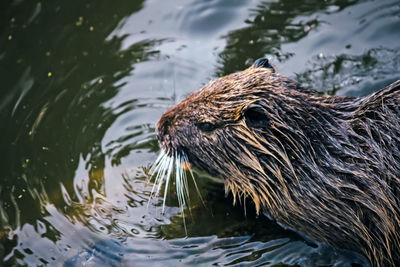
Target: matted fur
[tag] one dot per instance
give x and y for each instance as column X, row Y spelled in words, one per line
column 326, row 166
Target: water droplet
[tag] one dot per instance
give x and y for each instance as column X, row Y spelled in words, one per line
column 79, row 22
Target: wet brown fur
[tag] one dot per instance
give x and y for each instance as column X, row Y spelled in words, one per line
column 326, row 166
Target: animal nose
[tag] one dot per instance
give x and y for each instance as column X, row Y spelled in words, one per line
column 163, row 126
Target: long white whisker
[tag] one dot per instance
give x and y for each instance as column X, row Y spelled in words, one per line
column 166, row 172
column 194, row 181
column 161, row 172
column 179, row 189
column 170, row 167
column 185, row 186
column 160, row 168
column 178, row 180
column 156, row 164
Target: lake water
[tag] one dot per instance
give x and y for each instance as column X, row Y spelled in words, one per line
column 82, row 85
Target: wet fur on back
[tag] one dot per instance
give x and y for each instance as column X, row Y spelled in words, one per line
column 326, row 166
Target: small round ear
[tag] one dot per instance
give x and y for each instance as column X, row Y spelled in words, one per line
column 256, row 116
column 263, row 63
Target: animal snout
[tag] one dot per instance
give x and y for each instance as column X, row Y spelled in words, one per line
column 163, row 129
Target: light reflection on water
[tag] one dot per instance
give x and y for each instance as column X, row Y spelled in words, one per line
column 83, row 85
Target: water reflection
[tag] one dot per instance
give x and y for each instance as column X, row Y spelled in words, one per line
column 270, row 26
column 357, row 75
column 83, row 84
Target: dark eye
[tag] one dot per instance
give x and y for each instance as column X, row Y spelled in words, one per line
column 206, row 126
column 256, row 116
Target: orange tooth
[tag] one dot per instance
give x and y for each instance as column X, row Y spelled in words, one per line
column 186, row 165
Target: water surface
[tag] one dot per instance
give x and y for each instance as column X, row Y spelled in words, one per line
column 82, row 85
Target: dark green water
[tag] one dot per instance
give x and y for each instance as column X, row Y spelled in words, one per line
column 82, row 85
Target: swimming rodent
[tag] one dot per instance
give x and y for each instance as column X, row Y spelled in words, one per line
column 327, row 166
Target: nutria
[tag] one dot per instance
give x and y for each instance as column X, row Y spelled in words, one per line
column 326, row 166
